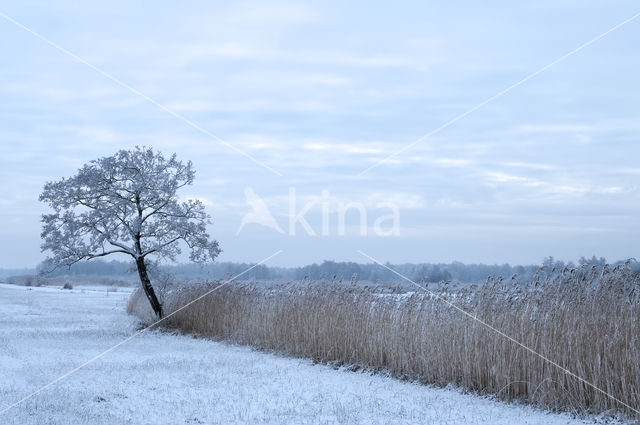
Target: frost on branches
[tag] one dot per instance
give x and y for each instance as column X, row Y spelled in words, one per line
column 126, row 203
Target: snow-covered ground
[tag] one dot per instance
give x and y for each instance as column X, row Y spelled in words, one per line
column 160, row 378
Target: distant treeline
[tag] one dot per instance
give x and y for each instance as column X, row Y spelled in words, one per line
column 332, row 270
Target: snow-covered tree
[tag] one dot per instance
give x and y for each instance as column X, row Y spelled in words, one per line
column 127, row 204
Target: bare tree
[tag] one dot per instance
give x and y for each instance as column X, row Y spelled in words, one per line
column 128, row 204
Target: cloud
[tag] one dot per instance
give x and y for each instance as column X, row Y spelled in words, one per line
column 501, row 177
column 320, row 92
column 274, row 13
column 527, row 165
column 338, row 147
column 403, row 201
column 453, row 162
column 554, row 128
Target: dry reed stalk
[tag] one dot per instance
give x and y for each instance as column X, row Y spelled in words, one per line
column 584, row 320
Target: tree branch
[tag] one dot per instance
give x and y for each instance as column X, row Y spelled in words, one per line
column 159, row 247
column 102, row 254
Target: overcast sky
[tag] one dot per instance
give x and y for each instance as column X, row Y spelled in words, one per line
column 319, row 92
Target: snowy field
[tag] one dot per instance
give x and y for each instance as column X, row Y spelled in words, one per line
column 160, row 378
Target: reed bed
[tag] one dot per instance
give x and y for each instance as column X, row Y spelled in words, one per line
column 585, row 320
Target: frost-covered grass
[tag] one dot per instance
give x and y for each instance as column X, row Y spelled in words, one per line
column 584, row 320
column 161, row 378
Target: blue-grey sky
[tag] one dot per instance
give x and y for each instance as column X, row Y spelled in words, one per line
column 321, row 91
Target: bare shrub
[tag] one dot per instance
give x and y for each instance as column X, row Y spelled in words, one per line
column 26, row 280
column 584, row 320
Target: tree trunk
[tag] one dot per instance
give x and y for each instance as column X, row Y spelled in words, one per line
column 148, row 289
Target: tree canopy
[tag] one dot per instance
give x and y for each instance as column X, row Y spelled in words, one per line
column 127, row 204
